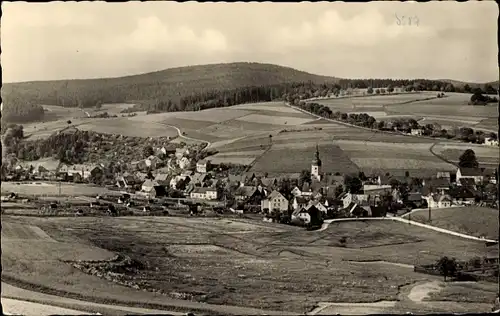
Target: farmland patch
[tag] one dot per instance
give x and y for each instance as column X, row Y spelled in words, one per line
column 291, row 159
column 186, row 124
column 127, row 127
column 274, row 120
column 475, row 221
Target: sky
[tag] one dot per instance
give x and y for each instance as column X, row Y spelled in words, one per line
column 70, row 40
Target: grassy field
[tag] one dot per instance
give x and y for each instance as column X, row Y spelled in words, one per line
column 127, row 127
column 481, row 292
column 52, row 189
column 373, row 102
column 279, row 158
column 487, row 156
column 238, row 262
column 476, row 221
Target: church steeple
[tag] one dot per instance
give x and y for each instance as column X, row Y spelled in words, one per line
column 316, row 160
column 316, row 166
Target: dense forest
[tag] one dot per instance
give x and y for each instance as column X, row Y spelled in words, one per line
column 196, row 88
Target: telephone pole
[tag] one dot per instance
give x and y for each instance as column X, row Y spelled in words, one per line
column 429, row 213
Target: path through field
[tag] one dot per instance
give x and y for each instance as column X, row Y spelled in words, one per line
column 406, row 221
column 189, row 138
column 421, row 291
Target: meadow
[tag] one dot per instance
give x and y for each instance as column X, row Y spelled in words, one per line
column 52, row 189
column 487, row 156
column 232, row 261
column 472, row 220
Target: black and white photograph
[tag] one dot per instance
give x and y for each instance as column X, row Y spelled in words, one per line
column 249, row 158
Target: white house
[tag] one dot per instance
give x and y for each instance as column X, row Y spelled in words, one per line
column 275, row 201
column 375, row 189
column 417, row 131
column 149, row 185
column 181, row 152
column 348, row 198
column 83, row 170
column 438, row 200
column 299, row 202
column 470, row 173
column 202, row 166
column 184, row 162
column 296, row 192
column 152, row 161
column 491, row 142
column 204, row 193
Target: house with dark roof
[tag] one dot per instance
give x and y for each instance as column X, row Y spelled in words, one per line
column 467, row 182
column 387, row 180
column 270, row 183
column 199, row 178
column 436, row 185
column 463, row 194
column 162, row 179
column 236, row 179
column 299, row 202
column 416, row 199
column 308, row 215
column 348, row 198
column 250, row 194
column 470, row 173
column 375, row 189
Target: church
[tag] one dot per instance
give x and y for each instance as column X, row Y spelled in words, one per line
column 316, row 166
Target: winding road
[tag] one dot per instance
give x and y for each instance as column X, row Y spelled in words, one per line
column 179, row 132
column 406, row 221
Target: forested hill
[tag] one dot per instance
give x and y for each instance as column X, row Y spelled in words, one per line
column 169, row 84
column 190, row 88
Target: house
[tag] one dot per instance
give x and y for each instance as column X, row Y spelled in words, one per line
column 275, row 201
column 375, row 189
column 299, row 202
column 348, row 198
column 296, row 191
column 181, row 152
column 85, row 171
column 308, row 215
column 202, row 166
column 270, row 183
column 356, row 210
column 388, row 179
column 152, row 162
column 489, row 141
column 470, row 173
column 140, row 176
column 237, row 179
column 252, row 194
column 463, row 194
column 168, row 149
column 323, row 209
column 199, row 178
column 438, row 200
column 416, row 199
column 467, row 182
column 443, row 174
column 149, row 185
column 162, row 179
column 417, row 131
column 204, row 193
column 139, row 165
column 184, row 162
column 436, row 185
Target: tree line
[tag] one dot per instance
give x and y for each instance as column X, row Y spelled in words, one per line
column 22, row 101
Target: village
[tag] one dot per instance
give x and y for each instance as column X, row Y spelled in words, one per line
column 170, row 178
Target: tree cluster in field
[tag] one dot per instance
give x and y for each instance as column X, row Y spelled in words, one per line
column 479, row 99
column 198, row 87
column 404, row 125
column 20, row 109
column 77, row 146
